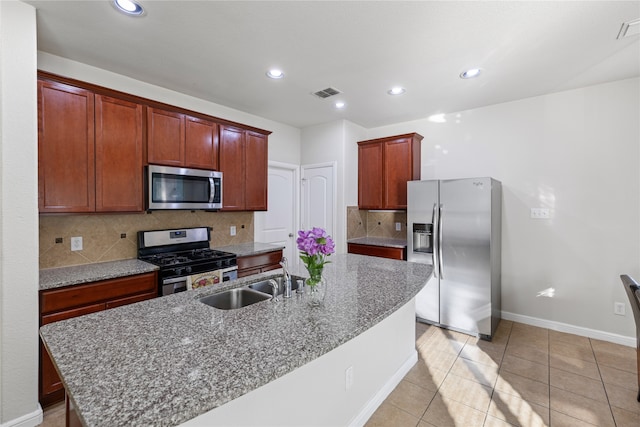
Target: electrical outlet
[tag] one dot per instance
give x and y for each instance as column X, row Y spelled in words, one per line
column 618, row 308
column 398, row 226
column 76, row 243
column 348, row 378
column 540, row 213
column 232, row 230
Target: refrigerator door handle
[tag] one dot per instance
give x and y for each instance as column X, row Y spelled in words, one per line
column 434, row 234
column 440, row 263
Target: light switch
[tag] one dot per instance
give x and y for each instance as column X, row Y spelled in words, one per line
column 232, row 230
column 398, row 226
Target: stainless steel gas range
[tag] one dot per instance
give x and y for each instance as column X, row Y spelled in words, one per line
column 185, row 259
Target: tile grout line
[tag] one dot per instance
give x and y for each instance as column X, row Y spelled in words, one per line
column 615, row 423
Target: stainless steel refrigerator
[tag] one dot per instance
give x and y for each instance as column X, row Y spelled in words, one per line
column 454, row 225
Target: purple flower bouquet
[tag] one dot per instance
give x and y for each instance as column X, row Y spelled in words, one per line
column 315, row 245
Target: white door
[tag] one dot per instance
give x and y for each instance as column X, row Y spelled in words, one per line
column 319, row 197
column 279, row 224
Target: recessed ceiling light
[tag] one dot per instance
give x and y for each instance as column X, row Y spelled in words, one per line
column 397, row 90
column 340, row 104
column 129, row 7
column 274, row 73
column 470, row 73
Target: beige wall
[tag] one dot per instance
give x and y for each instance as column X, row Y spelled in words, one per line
column 102, row 234
column 575, row 153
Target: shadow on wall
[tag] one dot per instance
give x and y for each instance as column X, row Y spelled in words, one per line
column 114, row 237
column 363, row 223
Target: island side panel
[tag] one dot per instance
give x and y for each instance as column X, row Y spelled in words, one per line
column 316, row 393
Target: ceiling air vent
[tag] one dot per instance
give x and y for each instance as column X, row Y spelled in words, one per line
column 628, row 29
column 325, row 93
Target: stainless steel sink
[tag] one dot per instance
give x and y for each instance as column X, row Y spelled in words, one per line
column 265, row 286
column 234, row 298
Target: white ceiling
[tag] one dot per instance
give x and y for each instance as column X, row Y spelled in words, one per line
column 220, row 51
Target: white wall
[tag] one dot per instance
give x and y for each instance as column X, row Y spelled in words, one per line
column 576, row 153
column 333, row 142
column 18, row 216
column 284, row 142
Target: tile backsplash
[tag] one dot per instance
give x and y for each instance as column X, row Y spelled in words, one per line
column 113, row 237
column 363, row 223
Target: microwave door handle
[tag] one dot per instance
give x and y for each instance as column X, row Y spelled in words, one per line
column 440, row 263
column 212, row 190
column 434, row 246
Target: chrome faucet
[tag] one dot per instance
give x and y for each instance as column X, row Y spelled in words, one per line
column 286, row 277
column 274, row 289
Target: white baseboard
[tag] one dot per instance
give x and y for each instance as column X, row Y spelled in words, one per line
column 29, row 420
column 384, row 392
column 571, row 329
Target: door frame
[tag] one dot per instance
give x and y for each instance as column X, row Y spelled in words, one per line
column 296, row 200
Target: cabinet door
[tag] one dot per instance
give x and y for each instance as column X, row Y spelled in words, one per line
column 398, row 170
column 165, row 137
column 256, row 160
column 66, row 174
column 232, row 165
column 370, row 176
column 201, row 144
column 118, row 155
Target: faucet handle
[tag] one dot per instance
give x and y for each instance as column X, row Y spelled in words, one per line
column 274, row 290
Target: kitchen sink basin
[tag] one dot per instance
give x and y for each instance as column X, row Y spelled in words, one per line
column 265, row 286
column 234, row 298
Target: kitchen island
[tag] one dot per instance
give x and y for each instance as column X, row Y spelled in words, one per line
column 173, row 359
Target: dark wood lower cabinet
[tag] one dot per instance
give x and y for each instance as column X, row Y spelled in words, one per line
column 379, row 251
column 259, row 263
column 73, row 301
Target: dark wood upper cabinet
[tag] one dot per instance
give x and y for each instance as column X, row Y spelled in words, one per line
column 201, row 143
column 165, row 137
column 385, row 165
column 370, row 176
column 243, row 162
column 232, row 167
column 256, row 172
column 66, row 168
column 93, row 144
column 118, row 155
column 176, row 139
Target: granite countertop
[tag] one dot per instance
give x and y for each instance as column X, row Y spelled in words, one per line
column 247, row 249
column 164, row 361
column 380, row 241
column 51, row 278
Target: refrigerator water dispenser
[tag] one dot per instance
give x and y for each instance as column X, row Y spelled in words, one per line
column 422, row 237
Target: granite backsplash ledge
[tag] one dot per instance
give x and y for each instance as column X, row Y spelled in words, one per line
column 112, row 237
column 364, row 223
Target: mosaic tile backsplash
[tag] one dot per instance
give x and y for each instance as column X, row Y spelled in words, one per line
column 363, row 223
column 114, row 236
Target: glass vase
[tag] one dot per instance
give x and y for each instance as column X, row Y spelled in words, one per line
column 316, row 289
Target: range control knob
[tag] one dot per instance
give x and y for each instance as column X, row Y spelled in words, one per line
column 177, row 270
column 188, row 269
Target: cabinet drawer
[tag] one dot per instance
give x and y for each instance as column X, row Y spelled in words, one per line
column 74, row 296
column 252, row 261
column 379, row 251
column 74, row 312
column 130, row 300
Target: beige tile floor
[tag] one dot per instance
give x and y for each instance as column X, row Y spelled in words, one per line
column 526, row 376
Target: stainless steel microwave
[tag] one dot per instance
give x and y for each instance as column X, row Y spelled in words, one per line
column 182, row 188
